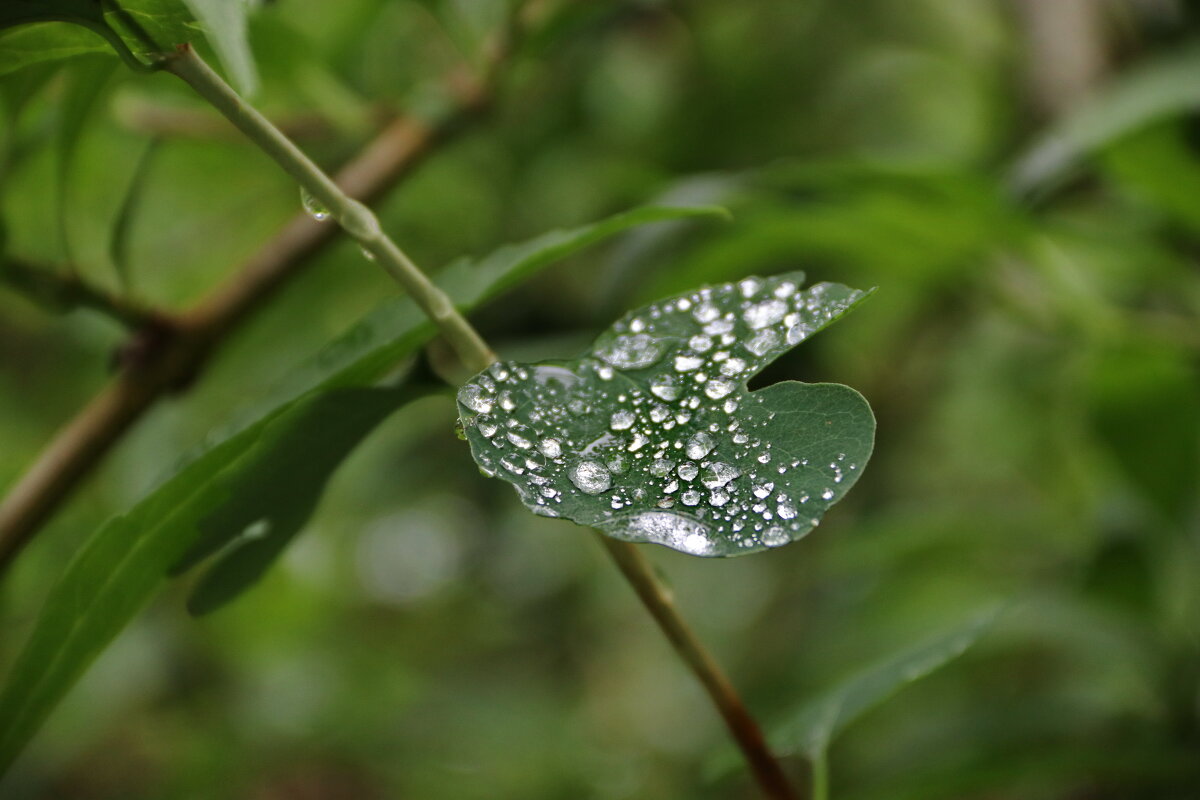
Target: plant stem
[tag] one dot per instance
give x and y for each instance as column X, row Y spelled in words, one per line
column 658, row 601
column 354, row 217
column 361, row 223
column 820, row 775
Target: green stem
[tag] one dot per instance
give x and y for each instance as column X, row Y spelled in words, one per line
column 820, row 775
column 361, row 223
column 354, row 217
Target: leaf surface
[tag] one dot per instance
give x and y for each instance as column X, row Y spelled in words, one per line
column 653, row 436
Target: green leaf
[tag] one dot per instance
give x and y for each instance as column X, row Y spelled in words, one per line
column 652, row 436
column 816, row 724
column 275, row 491
column 44, row 42
column 120, row 567
column 82, row 91
column 225, row 23
column 1162, row 87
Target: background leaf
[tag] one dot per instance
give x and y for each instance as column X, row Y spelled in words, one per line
column 653, row 436
column 271, row 469
column 812, row 728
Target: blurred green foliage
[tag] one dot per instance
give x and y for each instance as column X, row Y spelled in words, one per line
column 1031, row 356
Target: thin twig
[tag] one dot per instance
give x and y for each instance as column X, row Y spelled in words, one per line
column 742, row 726
column 82, row 443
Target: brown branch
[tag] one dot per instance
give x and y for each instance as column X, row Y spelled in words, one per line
column 168, row 353
column 65, row 291
column 742, row 726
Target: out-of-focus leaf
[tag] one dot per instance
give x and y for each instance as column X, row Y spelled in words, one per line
column 1162, row 87
column 1160, row 166
column 225, row 23
column 652, row 436
column 238, row 481
column 812, row 728
column 43, row 42
column 118, row 244
column 120, row 567
column 273, row 492
column 1145, row 409
column 79, row 98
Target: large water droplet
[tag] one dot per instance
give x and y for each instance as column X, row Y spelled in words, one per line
column 827, row 494
column 686, row 363
column 622, row 420
column 665, row 387
column 591, row 477
column 719, row 387
column 763, row 342
column 474, row 398
column 673, row 530
column 688, row 471
column 699, row 445
column 551, row 448
column 718, row 473
column 768, row 312
column 312, row 206
column 636, row 351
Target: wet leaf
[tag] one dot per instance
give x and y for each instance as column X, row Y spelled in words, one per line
column 652, row 436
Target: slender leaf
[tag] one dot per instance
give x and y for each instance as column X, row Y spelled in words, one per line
column 120, row 567
column 652, row 436
column 1143, row 95
column 817, row 723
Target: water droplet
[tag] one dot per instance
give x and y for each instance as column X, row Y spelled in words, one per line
column 798, row 333
column 551, row 448
column 659, row 413
column 768, row 312
column 486, row 427
column 775, row 536
column 622, row 420
column 706, row 313
column 688, row 471
column 690, row 498
column 664, row 387
column 786, row 511
column 763, row 490
column 719, row 387
column 474, row 398
column 312, row 206
column 718, row 497
column 699, row 445
column 507, row 402
column 827, row 494
column 733, row 367
column 749, row 287
column 673, row 530
column 661, row 467
column 718, row 474
column 686, row 363
column 591, row 477
column 763, row 342
column 700, row 344
column 636, row 351
column 519, row 440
